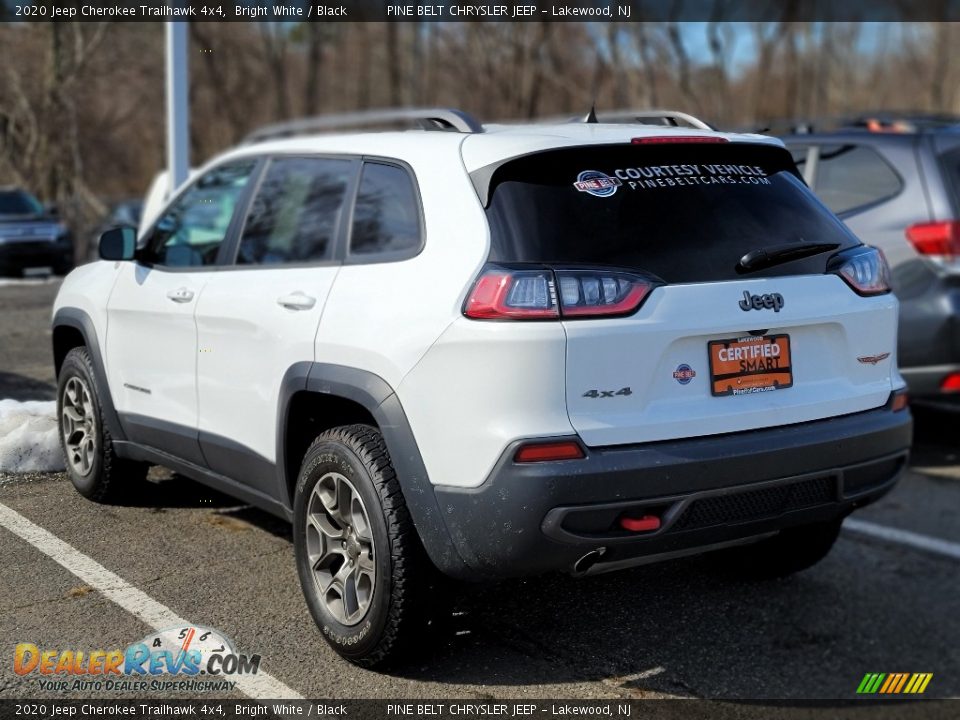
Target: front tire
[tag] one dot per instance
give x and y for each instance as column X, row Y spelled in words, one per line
column 91, row 461
column 790, row 551
column 363, row 571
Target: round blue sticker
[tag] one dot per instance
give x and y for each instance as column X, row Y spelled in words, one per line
column 684, row 374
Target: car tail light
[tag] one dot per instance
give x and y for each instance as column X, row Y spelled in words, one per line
column 503, row 293
column 513, row 294
column 588, row 293
column 865, row 270
column 951, row 383
column 936, row 240
column 549, row 451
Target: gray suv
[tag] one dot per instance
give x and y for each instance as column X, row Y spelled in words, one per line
column 895, row 181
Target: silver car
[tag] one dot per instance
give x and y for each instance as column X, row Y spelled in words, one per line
column 895, row 181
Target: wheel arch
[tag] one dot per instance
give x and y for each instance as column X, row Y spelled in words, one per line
column 73, row 328
column 336, row 395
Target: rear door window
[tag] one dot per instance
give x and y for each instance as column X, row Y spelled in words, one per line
column 851, row 177
column 683, row 212
column 293, row 217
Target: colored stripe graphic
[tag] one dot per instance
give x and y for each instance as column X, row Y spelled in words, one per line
column 894, row 683
column 892, row 680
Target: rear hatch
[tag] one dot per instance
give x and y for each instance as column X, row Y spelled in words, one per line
column 744, row 320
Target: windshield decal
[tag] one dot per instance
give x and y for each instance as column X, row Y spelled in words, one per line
column 597, row 183
column 644, row 177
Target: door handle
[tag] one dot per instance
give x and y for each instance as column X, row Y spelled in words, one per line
column 180, row 295
column 297, row 301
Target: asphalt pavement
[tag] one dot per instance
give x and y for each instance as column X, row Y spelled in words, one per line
column 881, row 602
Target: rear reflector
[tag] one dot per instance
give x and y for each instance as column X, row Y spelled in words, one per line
column 936, row 240
column 900, row 400
column 647, row 523
column 547, row 451
column 951, row 383
column 667, row 139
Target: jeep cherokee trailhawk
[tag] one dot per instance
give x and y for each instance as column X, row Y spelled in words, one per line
column 492, row 351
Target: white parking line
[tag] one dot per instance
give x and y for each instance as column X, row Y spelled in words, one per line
column 904, row 537
column 260, row 686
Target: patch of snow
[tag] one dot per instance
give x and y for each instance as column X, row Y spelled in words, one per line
column 29, row 440
column 35, row 280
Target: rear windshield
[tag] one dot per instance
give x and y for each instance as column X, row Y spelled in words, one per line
column 685, row 212
column 17, row 202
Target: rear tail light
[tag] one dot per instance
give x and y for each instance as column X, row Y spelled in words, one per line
column 951, row 383
column 865, row 270
column 513, row 294
column 509, row 294
column 549, row 451
column 939, row 241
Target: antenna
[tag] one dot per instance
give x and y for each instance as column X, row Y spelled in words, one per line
column 592, row 115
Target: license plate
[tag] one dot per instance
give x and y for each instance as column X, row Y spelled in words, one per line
column 37, row 271
column 750, row 364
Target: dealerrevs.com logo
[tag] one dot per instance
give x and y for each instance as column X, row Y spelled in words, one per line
column 190, row 658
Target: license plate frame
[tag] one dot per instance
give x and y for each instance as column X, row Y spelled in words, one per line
column 768, row 373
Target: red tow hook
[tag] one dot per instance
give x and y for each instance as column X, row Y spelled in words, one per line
column 647, row 523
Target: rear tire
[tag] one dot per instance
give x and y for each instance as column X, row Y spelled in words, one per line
column 92, row 463
column 364, row 573
column 790, row 551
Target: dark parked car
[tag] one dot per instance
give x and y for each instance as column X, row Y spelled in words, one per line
column 122, row 213
column 895, row 181
column 31, row 236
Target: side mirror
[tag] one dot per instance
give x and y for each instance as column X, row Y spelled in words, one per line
column 52, row 209
column 119, row 243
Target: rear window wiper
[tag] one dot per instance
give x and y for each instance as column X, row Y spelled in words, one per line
column 778, row 254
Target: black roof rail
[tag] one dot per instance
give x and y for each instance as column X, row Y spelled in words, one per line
column 427, row 118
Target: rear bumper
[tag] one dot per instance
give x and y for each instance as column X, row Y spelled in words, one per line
column 532, row 518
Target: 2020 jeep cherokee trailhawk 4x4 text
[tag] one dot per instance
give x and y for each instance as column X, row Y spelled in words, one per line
column 492, row 351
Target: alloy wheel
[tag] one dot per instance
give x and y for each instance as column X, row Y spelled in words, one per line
column 340, row 548
column 78, row 425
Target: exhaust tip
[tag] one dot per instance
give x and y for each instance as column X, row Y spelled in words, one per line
column 582, row 566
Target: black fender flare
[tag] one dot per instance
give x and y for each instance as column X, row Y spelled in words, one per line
column 80, row 321
column 379, row 399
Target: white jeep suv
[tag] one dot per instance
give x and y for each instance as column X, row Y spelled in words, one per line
column 492, row 351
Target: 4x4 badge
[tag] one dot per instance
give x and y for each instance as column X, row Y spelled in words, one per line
column 759, row 302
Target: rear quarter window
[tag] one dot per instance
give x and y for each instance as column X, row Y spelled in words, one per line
column 683, row 212
column 386, row 214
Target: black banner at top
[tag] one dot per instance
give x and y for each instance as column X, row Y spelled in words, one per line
column 483, row 10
